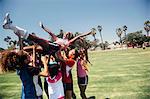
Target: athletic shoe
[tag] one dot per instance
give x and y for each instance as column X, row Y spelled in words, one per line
column 7, row 21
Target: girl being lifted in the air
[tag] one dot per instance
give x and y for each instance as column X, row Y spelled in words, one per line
column 63, row 43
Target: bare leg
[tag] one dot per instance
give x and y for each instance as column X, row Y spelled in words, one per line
column 68, row 94
column 82, row 91
column 54, row 37
column 73, row 95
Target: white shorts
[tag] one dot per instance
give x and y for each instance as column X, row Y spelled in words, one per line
column 38, row 88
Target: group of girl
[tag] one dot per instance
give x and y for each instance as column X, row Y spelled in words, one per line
column 52, row 60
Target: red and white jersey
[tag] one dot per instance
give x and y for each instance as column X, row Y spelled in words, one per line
column 55, row 87
column 55, row 78
column 66, row 69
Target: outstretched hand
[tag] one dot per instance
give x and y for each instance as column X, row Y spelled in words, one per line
column 93, row 31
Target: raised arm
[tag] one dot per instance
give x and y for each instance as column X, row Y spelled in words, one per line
column 82, row 35
column 45, row 72
column 34, row 56
column 33, row 49
column 38, row 48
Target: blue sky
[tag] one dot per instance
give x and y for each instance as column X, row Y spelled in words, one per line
column 75, row 16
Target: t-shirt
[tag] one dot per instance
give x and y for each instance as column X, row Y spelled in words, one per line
column 81, row 71
column 26, row 74
column 55, row 72
column 66, row 70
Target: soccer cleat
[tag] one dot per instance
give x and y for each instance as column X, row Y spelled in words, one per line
column 7, row 21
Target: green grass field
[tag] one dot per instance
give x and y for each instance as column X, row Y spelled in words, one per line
column 119, row 74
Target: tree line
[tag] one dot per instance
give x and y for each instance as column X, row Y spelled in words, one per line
column 134, row 39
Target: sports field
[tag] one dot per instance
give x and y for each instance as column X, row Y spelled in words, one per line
column 118, row 74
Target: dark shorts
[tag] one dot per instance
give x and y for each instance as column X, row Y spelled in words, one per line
column 68, row 86
column 83, row 80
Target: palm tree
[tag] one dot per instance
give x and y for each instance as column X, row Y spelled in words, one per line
column 100, row 29
column 147, row 26
column 125, row 29
column 94, row 33
column 119, row 33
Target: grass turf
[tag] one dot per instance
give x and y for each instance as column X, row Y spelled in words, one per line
column 119, row 74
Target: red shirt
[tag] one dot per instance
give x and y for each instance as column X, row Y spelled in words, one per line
column 66, row 70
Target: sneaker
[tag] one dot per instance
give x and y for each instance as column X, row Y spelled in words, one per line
column 7, row 21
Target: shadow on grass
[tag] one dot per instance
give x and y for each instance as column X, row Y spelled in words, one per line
column 1, row 96
column 91, row 97
column 145, row 88
column 145, row 94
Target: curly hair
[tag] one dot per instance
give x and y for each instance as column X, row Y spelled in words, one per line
column 7, row 57
column 11, row 60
